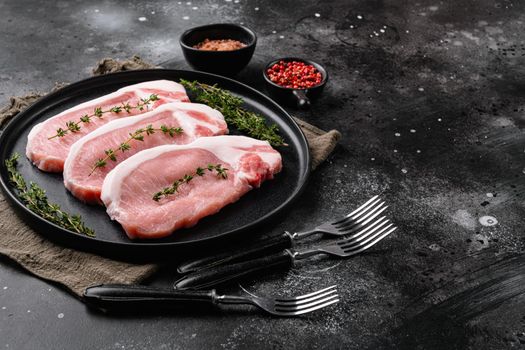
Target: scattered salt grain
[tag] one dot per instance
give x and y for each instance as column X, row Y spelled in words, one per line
column 143, row 19
column 359, row 17
column 60, row 315
column 256, row 9
column 194, row 8
column 186, row 18
column 404, row 171
column 421, row 89
column 397, row 134
column 412, row 130
column 317, row 15
column 281, row 36
column 488, row 220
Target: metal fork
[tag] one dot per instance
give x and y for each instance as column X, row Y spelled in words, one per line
column 358, row 243
column 349, row 223
column 123, row 296
column 346, row 225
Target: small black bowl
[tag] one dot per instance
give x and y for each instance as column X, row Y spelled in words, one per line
column 299, row 97
column 221, row 62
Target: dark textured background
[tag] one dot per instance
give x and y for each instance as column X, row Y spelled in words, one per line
column 429, row 97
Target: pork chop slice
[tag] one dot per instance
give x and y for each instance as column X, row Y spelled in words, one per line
column 84, row 180
column 49, row 154
column 128, row 190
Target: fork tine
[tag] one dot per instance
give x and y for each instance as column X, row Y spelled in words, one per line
column 357, row 226
column 300, row 297
column 305, row 311
column 358, row 212
column 362, row 211
column 280, row 307
column 293, row 303
column 364, row 214
column 365, row 238
column 373, row 212
column 363, row 206
column 364, row 246
column 367, row 231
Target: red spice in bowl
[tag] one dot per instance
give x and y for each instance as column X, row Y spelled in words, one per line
column 219, row 45
column 294, row 75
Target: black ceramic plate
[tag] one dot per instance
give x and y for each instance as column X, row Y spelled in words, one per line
column 256, row 207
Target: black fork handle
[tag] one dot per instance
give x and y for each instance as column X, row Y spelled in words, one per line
column 228, row 273
column 254, row 250
column 130, row 297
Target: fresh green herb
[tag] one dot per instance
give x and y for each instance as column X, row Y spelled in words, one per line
column 221, row 173
column 72, row 126
column 138, row 135
column 231, row 107
column 34, row 197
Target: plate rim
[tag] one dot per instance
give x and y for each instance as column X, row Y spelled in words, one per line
column 8, row 189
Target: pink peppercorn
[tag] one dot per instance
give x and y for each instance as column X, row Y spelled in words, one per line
column 294, row 74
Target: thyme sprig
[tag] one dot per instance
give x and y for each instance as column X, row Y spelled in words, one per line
column 231, row 107
column 138, row 135
column 219, row 169
column 76, row 126
column 34, row 197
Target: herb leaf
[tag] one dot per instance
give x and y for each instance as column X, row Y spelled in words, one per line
column 36, row 200
column 75, row 126
column 221, row 174
column 231, row 107
column 138, row 135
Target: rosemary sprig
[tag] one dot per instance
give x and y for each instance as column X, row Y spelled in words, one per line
column 221, row 173
column 36, row 200
column 72, row 126
column 138, row 135
column 231, row 107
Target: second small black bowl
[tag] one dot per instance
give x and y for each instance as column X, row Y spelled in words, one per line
column 299, row 97
column 221, row 62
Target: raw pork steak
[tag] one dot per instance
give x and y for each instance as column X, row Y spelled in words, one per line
column 50, row 154
column 128, row 189
column 196, row 120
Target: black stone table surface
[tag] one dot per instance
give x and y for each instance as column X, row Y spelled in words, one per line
column 430, row 99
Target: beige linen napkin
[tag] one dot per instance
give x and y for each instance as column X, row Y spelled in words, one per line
column 77, row 270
